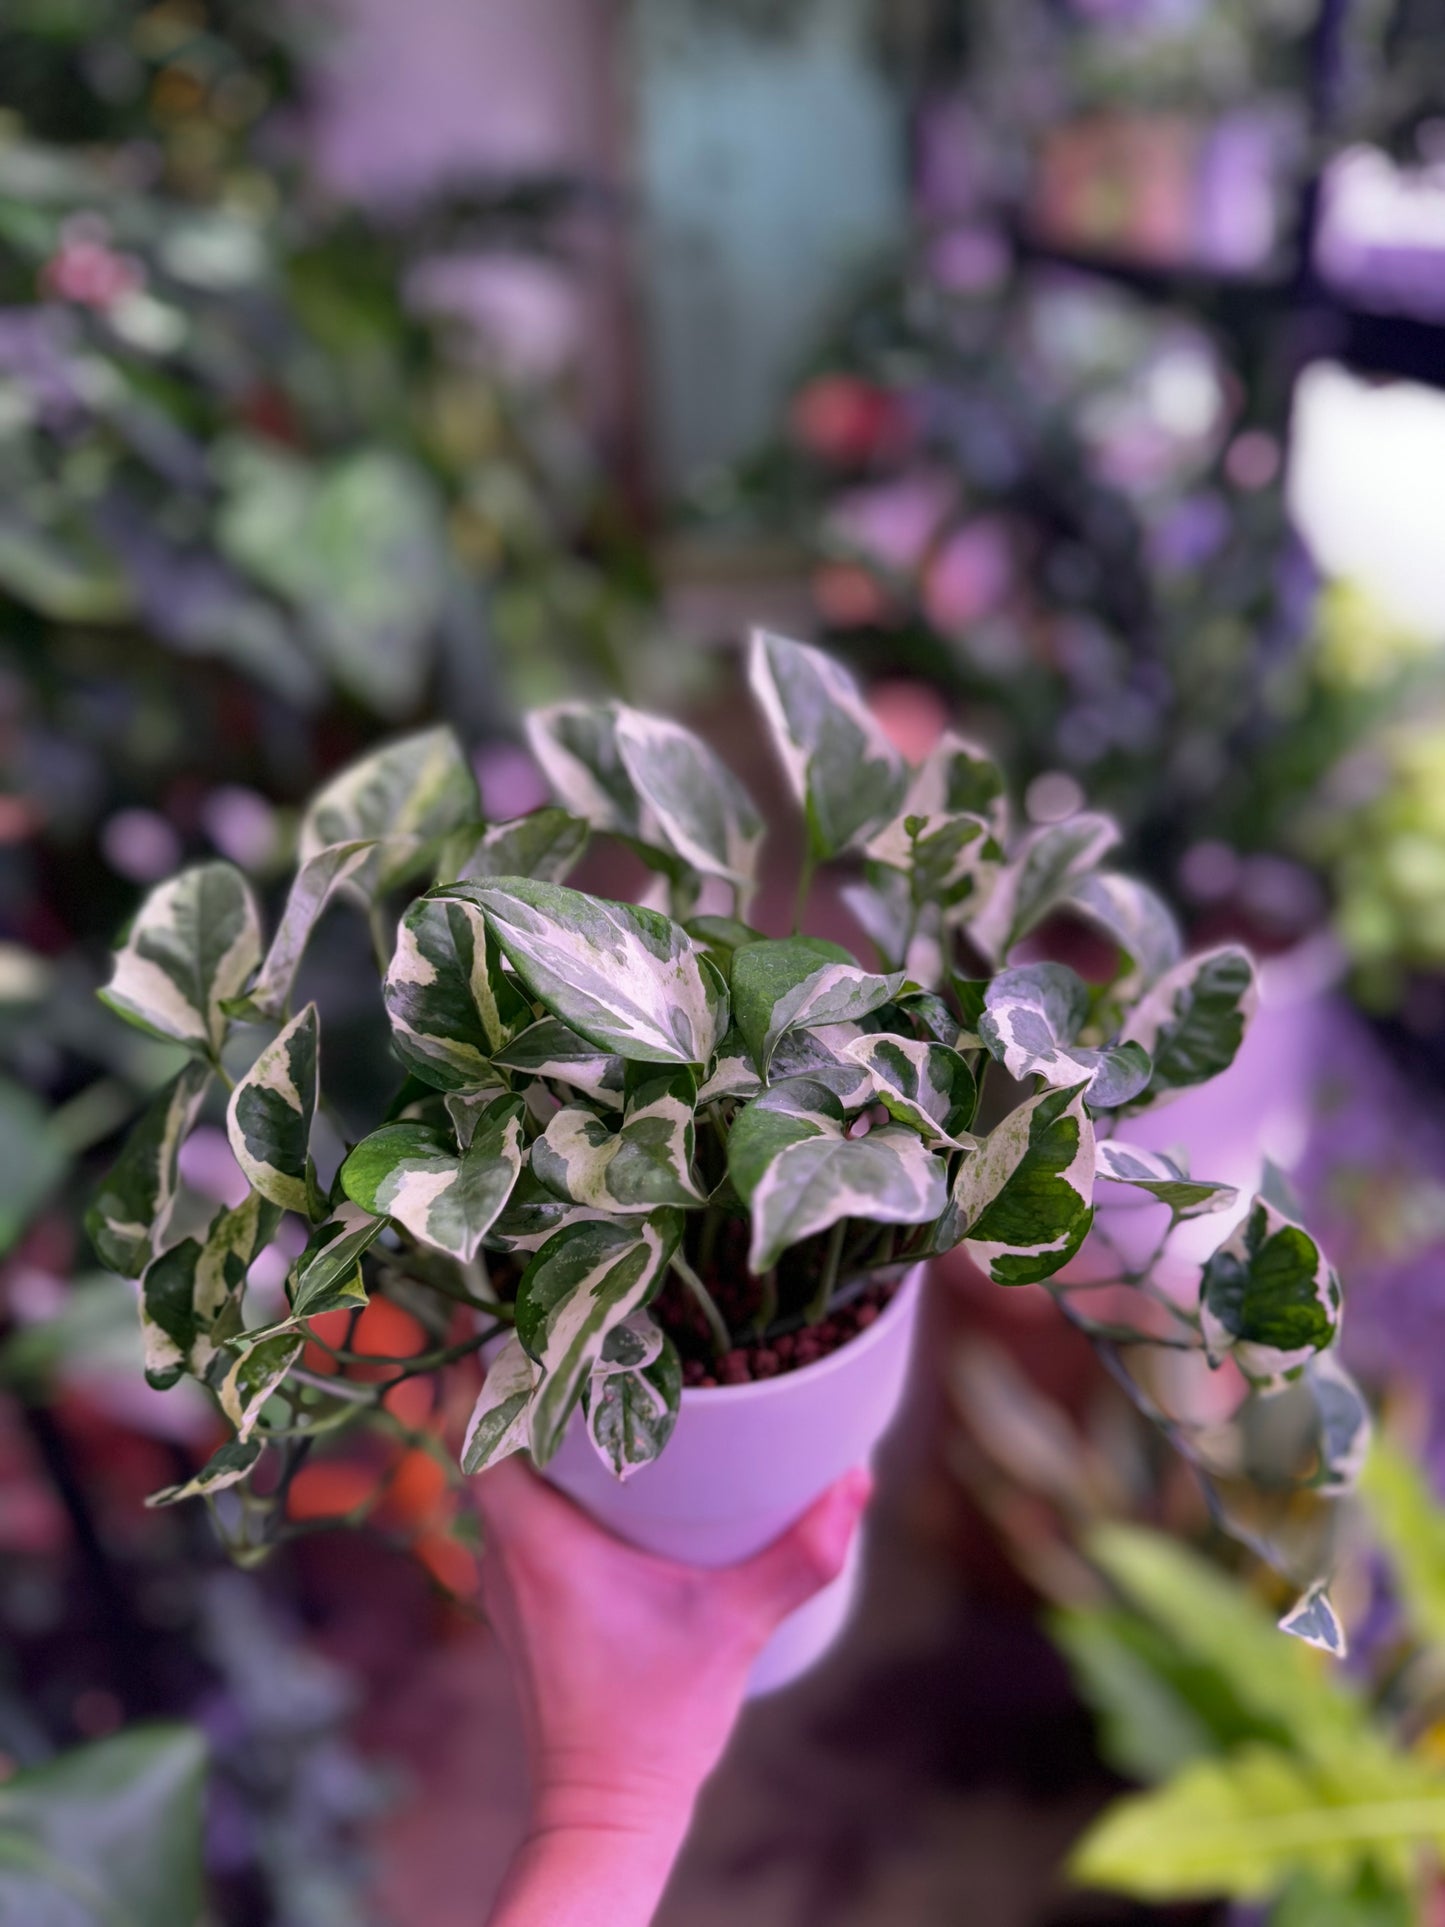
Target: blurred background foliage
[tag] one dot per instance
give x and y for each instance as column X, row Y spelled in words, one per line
column 358, row 369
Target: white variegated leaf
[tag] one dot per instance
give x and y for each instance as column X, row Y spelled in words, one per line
column 325, row 1274
column 258, row 1367
column 533, row 1214
column 701, row 809
column 131, row 1211
column 631, row 1413
column 410, row 793
column 1162, row 1178
column 842, row 767
column 1344, row 1423
column 631, row 1346
column 269, row 1116
column 824, row 1055
column 1267, row 1297
column 1046, row 866
column 444, row 994
column 644, row 1164
column 888, row 1177
column 925, row 1085
column 226, row 1467
column 733, row 1074
column 410, row 1173
column 781, row 1116
column 629, row 980
column 1313, row 1619
column 1024, row 1199
column 191, row 948
column 1193, row 1021
column 576, row 744
column 800, row 983
column 313, row 887
column 465, row 1109
column 1030, row 1018
column 584, row 1281
column 551, row 1049
column 546, row 844
column 195, row 1286
column 1135, row 918
column 499, row 1422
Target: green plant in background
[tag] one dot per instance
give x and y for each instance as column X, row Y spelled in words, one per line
column 621, row 1132
column 1273, row 1779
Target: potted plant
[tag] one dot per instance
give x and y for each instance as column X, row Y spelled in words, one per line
column 676, row 1175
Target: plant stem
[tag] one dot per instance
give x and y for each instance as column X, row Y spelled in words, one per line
column 768, row 1303
column 805, row 885
column 717, row 1326
column 818, row 1304
column 382, row 938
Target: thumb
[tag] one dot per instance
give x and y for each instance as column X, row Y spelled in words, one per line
column 787, row 1573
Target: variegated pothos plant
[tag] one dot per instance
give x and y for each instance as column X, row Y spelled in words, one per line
column 596, row 1096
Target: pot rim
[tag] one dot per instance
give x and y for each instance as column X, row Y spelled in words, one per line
column 901, row 1300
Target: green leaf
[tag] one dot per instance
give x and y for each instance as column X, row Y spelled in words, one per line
column 1024, row 1199
column 631, row 1412
column 1045, row 868
column 444, row 994
column 946, row 859
column 1410, row 1525
column 1136, row 919
column 500, row 1418
column 408, row 795
column 927, row 1086
column 31, row 1158
column 720, row 937
column 195, row 1287
column 842, row 767
column 585, row 1280
column 1372, row 1900
column 269, row 1116
column 786, row 1114
column 705, row 815
column 644, row 1164
column 576, row 744
column 1162, row 1178
column 227, row 1466
column 799, row 983
column 1193, row 1021
column 325, row 1276
column 534, row 1214
column 1028, row 1024
column 192, row 946
column 1246, row 1824
column 732, row 1073
column 108, row 1835
column 412, row 1174
column 547, row 844
column 823, row 1055
column 552, row 1049
column 131, row 1211
column 312, row 888
column 1267, row 1296
column 629, row 980
column 259, row 1366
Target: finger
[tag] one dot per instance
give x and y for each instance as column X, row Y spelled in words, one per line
column 786, row 1574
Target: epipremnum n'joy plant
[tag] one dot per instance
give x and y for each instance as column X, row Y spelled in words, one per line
column 611, row 1118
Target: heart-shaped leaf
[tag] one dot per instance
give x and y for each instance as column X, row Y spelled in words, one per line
column 1048, row 863
column 405, row 796
column 631, row 1413
column 1136, row 919
column 192, row 1287
column 444, row 994
column 924, row 1085
column 546, row 844
column 800, row 983
column 1023, row 1200
column 1193, row 1021
column 1267, row 1297
column 131, row 1211
column 412, row 1174
column 325, row 1276
column 270, row 1112
column 647, row 1163
column 499, row 1422
column 553, row 1050
column 191, row 948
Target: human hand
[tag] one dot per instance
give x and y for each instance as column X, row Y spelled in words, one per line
column 630, row 1670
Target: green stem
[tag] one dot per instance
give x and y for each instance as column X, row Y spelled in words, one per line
column 768, row 1303
column 717, row 1326
column 818, row 1304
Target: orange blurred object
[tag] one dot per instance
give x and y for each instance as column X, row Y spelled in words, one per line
column 448, row 1562
column 417, row 1488
column 327, row 1487
column 843, row 419
column 911, row 715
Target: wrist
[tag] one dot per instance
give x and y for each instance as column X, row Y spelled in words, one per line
column 574, row 1791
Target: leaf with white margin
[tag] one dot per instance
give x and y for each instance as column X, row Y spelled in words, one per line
column 191, row 1288
column 1162, row 1178
column 551, row 1049
column 1134, row 917
column 465, row 1108
column 192, row 947
column 1193, row 1021
column 407, row 795
column 533, row 1214
column 647, row 1163
column 789, row 983
column 1313, row 1619
column 499, row 1422
column 946, row 858
column 629, row 1347
column 312, row 888
column 576, row 744
column 131, row 1211
column 629, row 980
column 784, row 1115
column 631, row 1413
column 546, row 843
column 585, row 1280
column 956, row 778
column 888, row 1177
column 227, row 1466
column 823, row 1055
column 1040, row 873
column 927, row 1086
column 1267, row 1297
column 259, row 1367
column 1345, row 1426
column 324, row 1276
column 1030, row 1018
column 412, row 1174
column 444, row 994
column 842, row 768
column 269, row 1116
column 703, row 812
column 1023, row 1201
column 732, row 1073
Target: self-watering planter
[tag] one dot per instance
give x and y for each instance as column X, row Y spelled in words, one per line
column 627, row 1151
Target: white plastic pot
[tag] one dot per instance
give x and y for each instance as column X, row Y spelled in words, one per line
column 744, row 1461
